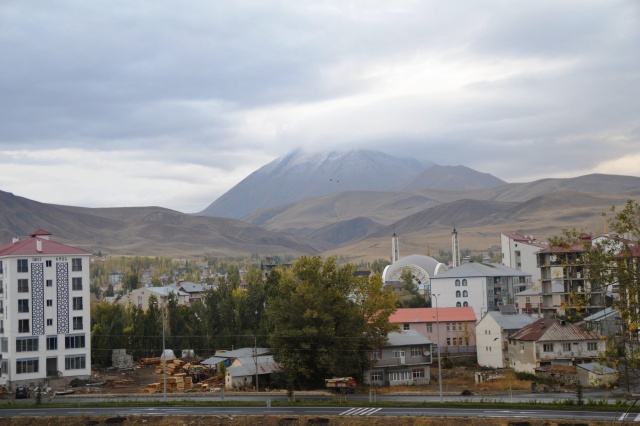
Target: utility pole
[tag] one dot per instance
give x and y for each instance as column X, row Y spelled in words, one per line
column 255, row 358
column 164, row 359
column 438, row 335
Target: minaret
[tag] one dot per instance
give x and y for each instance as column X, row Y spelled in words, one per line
column 455, row 248
column 395, row 249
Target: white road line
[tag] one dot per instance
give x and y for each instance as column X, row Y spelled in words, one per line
column 637, row 419
column 367, row 411
column 622, row 417
column 348, row 412
column 370, row 411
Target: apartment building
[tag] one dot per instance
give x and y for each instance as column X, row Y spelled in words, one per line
column 44, row 311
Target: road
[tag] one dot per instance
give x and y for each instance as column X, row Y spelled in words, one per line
column 581, row 415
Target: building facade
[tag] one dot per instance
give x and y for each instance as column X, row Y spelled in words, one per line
column 492, row 336
column 44, row 311
column 519, row 252
column 404, row 360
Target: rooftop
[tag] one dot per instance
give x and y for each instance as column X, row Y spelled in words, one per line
column 409, row 315
column 554, row 330
column 29, row 247
column 477, row 269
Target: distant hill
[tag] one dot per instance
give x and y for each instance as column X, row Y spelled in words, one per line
column 298, row 176
column 152, row 231
column 454, row 178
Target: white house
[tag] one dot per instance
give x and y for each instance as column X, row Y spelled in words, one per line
column 44, row 311
column 492, row 337
column 140, row 297
column 519, row 252
column 482, row 286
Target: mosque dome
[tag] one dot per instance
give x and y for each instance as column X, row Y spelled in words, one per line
column 422, row 268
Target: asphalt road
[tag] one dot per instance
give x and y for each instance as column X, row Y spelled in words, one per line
column 582, row 415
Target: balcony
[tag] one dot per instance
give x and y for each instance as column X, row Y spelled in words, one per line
column 410, row 360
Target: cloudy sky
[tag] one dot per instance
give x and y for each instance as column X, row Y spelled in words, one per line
column 170, row 103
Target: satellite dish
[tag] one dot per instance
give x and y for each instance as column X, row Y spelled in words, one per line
column 427, row 353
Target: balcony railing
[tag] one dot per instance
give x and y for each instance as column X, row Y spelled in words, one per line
column 410, row 360
column 581, row 353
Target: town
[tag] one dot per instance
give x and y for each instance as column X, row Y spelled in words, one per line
column 566, row 308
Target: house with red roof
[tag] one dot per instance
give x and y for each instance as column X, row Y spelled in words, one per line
column 44, row 310
column 550, row 342
column 450, row 328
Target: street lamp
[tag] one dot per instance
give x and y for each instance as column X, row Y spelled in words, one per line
column 438, row 337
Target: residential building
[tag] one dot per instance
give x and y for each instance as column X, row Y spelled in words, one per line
column 593, row 374
column 519, row 252
column 140, row 297
column 452, row 329
column 607, row 322
column 529, row 301
column 481, row 286
column 492, row 337
column 44, row 311
column 564, row 266
column 550, row 342
column 404, row 360
column 194, row 290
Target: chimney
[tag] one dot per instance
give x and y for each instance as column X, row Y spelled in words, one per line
column 15, row 240
column 563, row 322
column 39, row 245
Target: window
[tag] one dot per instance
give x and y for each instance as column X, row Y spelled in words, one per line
column 396, row 376
column 24, row 366
column 457, row 283
column 448, row 326
column 23, row 305
column 429, row 327
column 49, row 302
column 398, row 353
column 27, row 344
column 458, row 305
column 592, row 346
column 405, row 326
column 464, row 283
column 453, row 326
column 23, row 326
column 48, row 263
column 49, row 321
column 521, row 346
column 376, row 377
column 416, row 351
column 23, row 286
column 49, row 283
column 465, row 304
column 76, row 283
column 465, row 293
column 458, row 294
column 547, row 347
column 448, row 341
column 77, row 323
column 75, row 362
column 4, row 344
column 418, row 373
column 527, row 299
column 77, row 303
column 375, row 355
column 76, row 264
column 52, row 343
column 74, row 341
column 1, row 270
column 23, row 265
column 566, row 347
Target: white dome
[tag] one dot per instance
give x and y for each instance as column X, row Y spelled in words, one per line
column 422, row 268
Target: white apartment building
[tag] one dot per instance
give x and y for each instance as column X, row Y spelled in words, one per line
column 44, row 311
column 519, row 252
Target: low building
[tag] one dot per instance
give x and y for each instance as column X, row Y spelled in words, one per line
column 242, row 372
column 140, row 297
column 548, row 342
column 404, row 360
column 452, row 329
column 492, row 337
column 593, row 374
column 606, row 322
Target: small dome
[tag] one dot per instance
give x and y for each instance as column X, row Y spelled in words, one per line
column 422, row 268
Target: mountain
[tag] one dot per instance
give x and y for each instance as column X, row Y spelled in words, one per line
column 151, row 231
column 298, row 176
column 453, row 178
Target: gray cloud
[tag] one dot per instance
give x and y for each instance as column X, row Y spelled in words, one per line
column 221, row 87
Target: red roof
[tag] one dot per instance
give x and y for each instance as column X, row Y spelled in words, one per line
column 39, row 232
column 29, row 247
column 407, row 315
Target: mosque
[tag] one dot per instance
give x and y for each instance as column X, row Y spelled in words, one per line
column 422, row 267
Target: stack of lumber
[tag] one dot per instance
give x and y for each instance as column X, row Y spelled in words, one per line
column 149, row 361
column 174, row 366
column 152, row 388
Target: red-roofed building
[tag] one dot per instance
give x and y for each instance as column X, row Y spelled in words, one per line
column 44, row 310
column 519, row 252
column 456, row 326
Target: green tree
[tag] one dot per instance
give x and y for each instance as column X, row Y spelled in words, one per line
column 324, row 321
column 414, row 299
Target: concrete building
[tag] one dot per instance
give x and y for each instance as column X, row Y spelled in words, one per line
column 452, row 329
column 140, row 297
column 44, row 311
column 549, row 342
column 519, row 252
column 529, row 301
column 492, row 337
column 404, row 360
column 482, row 286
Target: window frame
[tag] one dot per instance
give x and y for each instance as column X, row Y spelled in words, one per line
column 76, row 264
column 23, row 285
column 23, row 266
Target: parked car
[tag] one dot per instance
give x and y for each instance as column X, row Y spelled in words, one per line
column 22, row 392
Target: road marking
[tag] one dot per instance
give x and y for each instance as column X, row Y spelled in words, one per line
column 637, row 419
column 367, row 411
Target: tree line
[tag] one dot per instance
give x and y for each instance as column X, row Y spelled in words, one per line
column 317, row 318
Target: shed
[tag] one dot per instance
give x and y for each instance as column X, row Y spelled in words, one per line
column 594, row 374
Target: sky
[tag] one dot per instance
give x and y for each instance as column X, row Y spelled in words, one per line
column 111, row 103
